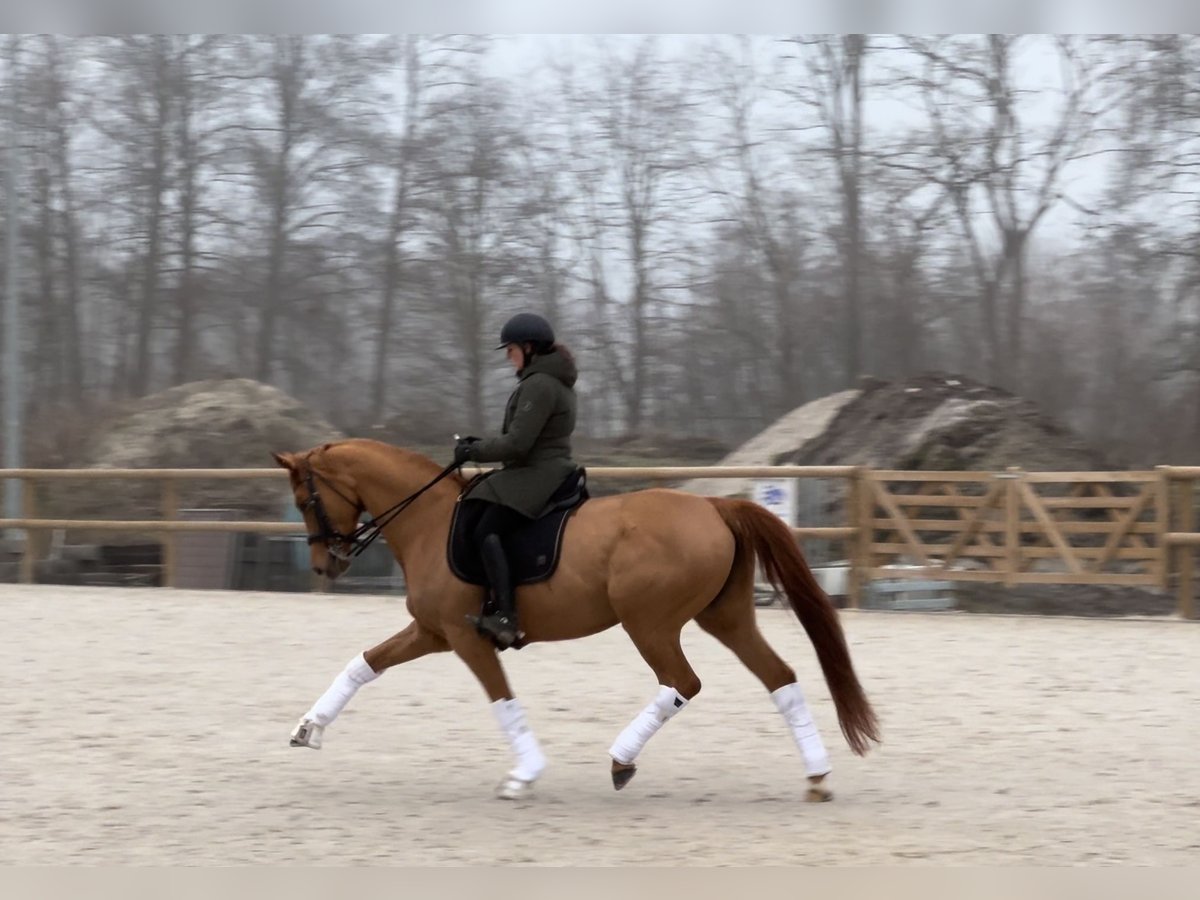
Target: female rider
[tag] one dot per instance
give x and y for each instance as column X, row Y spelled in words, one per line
column 535, row 448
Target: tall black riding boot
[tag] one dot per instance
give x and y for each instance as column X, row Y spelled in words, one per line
column 502, row 624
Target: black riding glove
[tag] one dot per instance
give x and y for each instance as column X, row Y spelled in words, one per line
column 464, row 449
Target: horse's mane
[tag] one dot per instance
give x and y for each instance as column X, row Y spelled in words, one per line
column 404, row 457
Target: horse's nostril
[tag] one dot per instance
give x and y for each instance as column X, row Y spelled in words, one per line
column 317, row 570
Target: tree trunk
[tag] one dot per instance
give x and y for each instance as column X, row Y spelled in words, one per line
column 155, row 188
column 391, row 285
column 791, row 385
column 185, row 340
column 904, row 337
column 475, row 357
column 72, row 348
column 635, row 398
column 396, row 226
column 288, row 50
column 46, row 380
column 70, row 330
column 854, row 49
column 1016, row 308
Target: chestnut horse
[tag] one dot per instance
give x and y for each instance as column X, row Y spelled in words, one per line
column 650, row 561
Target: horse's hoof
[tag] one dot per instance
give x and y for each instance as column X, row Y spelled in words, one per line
column 817, row 792
column 513, row 788
column 307, row 734
column 622, row 774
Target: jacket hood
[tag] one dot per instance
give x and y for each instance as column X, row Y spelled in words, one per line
column 553, row 363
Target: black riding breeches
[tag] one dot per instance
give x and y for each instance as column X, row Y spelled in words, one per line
column 498, row 520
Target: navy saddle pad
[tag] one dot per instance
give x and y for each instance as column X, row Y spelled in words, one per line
column 533, row 550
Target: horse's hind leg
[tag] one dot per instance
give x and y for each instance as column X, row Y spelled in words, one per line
column 678, row 683
column 411, row 643
column 731, row 620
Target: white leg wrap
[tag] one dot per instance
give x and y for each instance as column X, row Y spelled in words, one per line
column 666, row 703
column 789, row 700
column 530, row 759
column 349, row 680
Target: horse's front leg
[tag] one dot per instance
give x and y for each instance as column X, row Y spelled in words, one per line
column 483, row 661
column 411, row 643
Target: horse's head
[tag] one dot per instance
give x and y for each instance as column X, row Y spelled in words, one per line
column 330, row 506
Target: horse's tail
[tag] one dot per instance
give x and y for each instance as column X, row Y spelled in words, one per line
column 769, row 539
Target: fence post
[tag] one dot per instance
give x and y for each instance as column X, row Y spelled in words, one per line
column 1162, row 524
column 1012, row 530
column 865, row 536
column 28, row 511
column 854, row 520
column 170, row 512
column 1187, row 523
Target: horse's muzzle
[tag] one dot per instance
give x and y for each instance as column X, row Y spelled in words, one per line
column 334, row 567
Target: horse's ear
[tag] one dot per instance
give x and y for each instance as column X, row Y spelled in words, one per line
column 286, row 460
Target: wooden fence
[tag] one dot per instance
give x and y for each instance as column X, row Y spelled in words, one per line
column 1012, row 527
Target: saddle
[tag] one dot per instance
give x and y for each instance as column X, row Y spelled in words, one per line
column 533, row 550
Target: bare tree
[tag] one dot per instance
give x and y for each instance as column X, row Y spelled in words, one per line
column 831, row 83
column 304, row 153
column 473, row 151
column 197, row 83
column 632, row 146
column 1157, row 80
column 400, row 217
column 988, row 157
column 770, row 224
column 140, row 123
column 435, row 69
column 908, row 216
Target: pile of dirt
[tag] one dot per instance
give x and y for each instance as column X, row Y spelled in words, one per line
column 931, row 422
column 939, row 422
column 225, row 423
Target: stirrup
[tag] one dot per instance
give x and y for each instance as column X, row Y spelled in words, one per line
column 502, row 629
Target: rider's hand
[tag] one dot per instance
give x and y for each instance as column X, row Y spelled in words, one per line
column 463, row 449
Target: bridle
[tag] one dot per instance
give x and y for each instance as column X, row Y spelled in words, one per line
column 347, row 546
column 335, row 541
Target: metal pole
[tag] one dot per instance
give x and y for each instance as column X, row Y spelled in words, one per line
column 12, row 325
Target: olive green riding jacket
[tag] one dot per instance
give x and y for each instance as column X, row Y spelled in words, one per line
column 535, row 442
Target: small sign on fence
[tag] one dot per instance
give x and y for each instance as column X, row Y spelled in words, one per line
column 779, row 495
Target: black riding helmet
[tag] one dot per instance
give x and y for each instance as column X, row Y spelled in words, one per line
column 526, row 328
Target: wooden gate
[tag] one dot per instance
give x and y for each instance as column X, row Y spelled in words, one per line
column 1015, row 527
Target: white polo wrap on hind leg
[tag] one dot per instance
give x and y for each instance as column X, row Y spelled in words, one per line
column 666, row 703
column 789, row 700
column 530, row 759
column 349, row 680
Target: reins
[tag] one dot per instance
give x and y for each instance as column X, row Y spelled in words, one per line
column 365, row 534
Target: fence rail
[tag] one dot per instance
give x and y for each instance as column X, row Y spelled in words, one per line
column 1011, row 527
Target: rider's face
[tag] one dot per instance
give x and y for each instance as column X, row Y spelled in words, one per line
column 515, row 356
